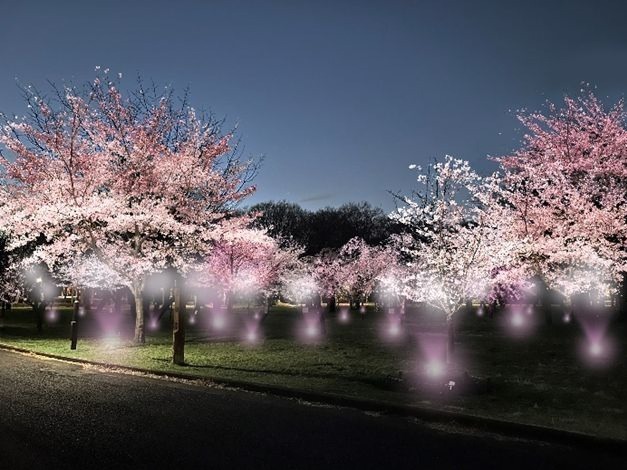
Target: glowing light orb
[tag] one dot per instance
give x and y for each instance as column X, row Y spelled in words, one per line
column 312, row 331
column 251, row 336
column 256, row 316
column 434, row 369
column 595, row 349
column 52, row 316
column 529, row 309
column 154, row 325
column 480, row 311
column 218, row 322
column 192, row 320
column 343, row 316
column 567, row 318
column 394, row 329
column 112, row 341
column 517, row 320
column 362, row 309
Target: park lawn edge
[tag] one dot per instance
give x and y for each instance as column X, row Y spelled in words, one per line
column 425, row 413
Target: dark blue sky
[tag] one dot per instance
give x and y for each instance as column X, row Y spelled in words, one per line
column 340, row 96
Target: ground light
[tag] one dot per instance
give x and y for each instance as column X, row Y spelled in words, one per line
column 517, row 320
column 434, row 368
column 595, row 349
column 311, row 330
column 394, row 329
column 480, row 311
column 343, row 317
column 251, row 336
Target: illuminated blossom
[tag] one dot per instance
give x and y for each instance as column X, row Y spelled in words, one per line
column 133, row 183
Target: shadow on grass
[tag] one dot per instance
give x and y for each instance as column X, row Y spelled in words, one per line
column 381, row 382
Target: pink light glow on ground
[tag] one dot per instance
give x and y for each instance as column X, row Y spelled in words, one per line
column 517, row 321
column 109, row 319
column 431, row 364
column 596, row 350
column 598, row 353
column 344, row 316
column 310, row 328
column 391, row 329
column 252, row 332
column 52, row 316
column 434, row 368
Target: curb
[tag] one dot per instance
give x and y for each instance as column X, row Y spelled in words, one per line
column 507, row 428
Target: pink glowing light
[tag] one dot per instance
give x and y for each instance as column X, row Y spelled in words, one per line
column 434, row 368
column 154, row 324
column 52, row 316
column 218, row 322
column 394, row 329
column 311, row 330
column 567, row 318
column 362, row 309
column 529, row 309
column 517, row 320
column 344, row 315
column 252, row 336
column 595, row 349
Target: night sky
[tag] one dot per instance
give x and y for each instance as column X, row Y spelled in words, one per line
column 339, row 96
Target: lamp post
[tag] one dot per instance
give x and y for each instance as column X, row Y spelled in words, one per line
column 74, row 325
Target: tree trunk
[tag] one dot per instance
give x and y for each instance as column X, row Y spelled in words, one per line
column 86, row 297
column 548, row 316
column 332, row 304
column 178, row 328
column 140, row 333
column 622, row 301
column 450, row 339
column 38, row 307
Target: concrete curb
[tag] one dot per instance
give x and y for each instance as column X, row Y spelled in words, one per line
column 507, row 428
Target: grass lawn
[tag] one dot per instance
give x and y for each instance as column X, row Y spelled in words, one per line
column 539, row 378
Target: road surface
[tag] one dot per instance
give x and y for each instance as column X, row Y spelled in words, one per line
column 59, row 415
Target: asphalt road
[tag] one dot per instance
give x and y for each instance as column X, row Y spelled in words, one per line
column 59, row 415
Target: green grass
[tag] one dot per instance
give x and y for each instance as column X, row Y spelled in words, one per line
column 538, row 379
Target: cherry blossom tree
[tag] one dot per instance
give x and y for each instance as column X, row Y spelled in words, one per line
column 361, row 267
column 246, row 262
column 325, row 270
column 567, row 190
column 456, row 241
column 134, row 182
